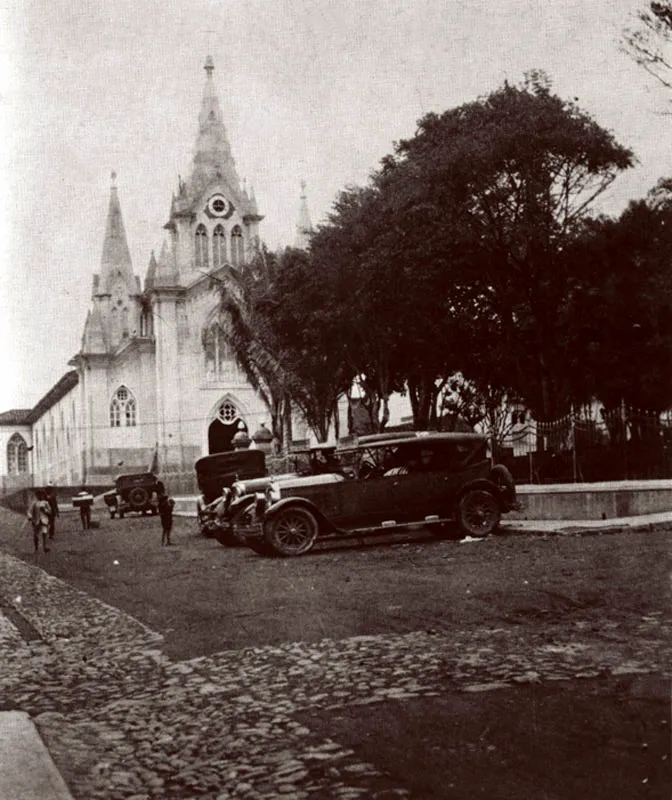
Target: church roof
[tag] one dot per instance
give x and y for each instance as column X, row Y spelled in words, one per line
column 59, row 390
column 15, row 416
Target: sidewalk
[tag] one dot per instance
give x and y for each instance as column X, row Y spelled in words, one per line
column 643, row 523
column 27, row 771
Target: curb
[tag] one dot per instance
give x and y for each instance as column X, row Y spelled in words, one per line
column 28, row 770
column 586, row 530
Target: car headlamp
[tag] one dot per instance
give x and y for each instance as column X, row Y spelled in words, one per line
column 273, row 492
column 260, row 504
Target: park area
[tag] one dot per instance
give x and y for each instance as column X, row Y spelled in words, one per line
column 514, row 667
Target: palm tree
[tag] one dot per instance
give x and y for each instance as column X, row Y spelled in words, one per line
column 245, row 294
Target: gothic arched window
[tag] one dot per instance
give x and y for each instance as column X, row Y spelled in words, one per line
column 122, row 409
column 17, row 455
column 236, row 246
column 201, row 247
column 218, row 247
column 219, row 361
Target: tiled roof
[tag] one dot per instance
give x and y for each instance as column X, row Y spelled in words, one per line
column 59, row 390
column 16, row 416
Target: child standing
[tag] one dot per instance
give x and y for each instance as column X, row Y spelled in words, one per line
column 166, row 513
column 39, row 514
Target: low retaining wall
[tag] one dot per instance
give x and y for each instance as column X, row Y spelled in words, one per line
column 594, row 500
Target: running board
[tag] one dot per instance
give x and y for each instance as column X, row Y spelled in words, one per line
column 387, row 527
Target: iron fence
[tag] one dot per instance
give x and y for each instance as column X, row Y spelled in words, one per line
column 590, row 445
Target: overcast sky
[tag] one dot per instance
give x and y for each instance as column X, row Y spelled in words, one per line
column 310, row 89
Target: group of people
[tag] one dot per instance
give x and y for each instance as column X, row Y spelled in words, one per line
column 43, row 511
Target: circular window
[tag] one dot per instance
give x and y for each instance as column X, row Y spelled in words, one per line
column 228, row 413
column 219, row 206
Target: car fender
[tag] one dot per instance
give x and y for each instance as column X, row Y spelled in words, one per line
column 324, row 524
column 240, row 504
column 506, row 486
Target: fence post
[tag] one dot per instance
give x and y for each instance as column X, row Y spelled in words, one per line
column 572, row 433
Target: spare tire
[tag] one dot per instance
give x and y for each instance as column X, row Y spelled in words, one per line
column 138, row 498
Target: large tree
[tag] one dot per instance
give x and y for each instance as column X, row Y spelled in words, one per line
column 308, row 333
column 490, row 195
column 622, row 312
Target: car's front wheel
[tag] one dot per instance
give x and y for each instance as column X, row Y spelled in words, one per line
column 291, row 532
column 478, row 513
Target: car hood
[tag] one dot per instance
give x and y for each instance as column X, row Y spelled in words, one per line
column 311, row 480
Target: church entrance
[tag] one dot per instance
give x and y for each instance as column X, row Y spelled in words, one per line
column 223, row 428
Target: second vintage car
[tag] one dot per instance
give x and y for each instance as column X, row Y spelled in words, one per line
column 385, row 481
column 137, row 492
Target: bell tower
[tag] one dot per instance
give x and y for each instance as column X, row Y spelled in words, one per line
column 213, row 219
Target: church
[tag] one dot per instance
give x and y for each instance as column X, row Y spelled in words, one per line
column 154, row 381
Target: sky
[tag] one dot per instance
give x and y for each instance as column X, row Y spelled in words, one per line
column 314, row 90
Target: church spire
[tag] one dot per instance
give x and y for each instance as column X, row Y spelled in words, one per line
column 212, row 155
column 304, row 227
column 116, row 259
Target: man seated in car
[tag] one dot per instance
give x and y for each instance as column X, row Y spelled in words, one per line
column 416, row 462
column 323, row 462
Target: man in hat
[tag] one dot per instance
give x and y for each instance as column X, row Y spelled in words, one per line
column 39, row 514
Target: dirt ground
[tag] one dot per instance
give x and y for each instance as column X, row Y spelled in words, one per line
column 603, row 737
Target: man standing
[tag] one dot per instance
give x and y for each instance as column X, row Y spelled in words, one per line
column 53, row 505
column 166, row 513
column 38, row 514
column 83, row 501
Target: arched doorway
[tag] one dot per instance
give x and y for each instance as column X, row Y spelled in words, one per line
column 224, row 427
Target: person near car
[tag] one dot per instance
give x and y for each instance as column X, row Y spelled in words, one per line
column 53, row 506
column 166, row 505
column 84, row 501
column 38, row 514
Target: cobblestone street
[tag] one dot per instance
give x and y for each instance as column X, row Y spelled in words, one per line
column 124, row 721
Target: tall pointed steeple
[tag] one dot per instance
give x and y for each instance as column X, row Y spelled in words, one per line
column 304, row 227
column 212, row 155
column 116, row 260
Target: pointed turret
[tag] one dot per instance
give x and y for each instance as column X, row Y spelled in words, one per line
column 150, row 278
column 93, row 337
column 304, row 227
column 116, row 260
column 166, row 273
column 253, row 203
column 212, row 156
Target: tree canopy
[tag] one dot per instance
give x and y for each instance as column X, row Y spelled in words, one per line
column 472, row 252
column 457, row 246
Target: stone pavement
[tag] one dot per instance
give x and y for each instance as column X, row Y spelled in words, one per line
column 123, row 721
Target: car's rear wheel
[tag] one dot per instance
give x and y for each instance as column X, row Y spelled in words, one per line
column 478, row 513
column 138, row 497
column 291, row 532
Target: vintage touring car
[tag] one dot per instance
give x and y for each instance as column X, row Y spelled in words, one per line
column 385, row 481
